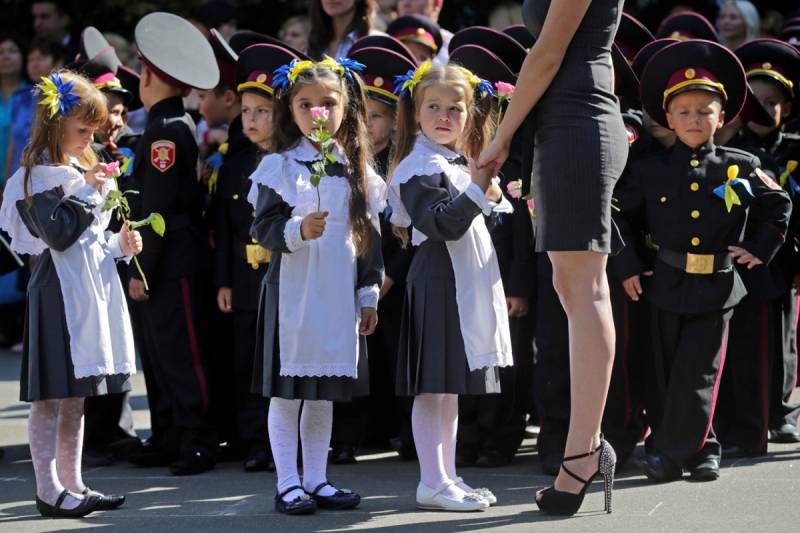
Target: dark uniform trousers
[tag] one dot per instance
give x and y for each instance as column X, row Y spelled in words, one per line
column 173, row 322
column 785, row 369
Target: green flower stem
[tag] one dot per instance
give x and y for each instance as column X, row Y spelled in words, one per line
column 135, row 260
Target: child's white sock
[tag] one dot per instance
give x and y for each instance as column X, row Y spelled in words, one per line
column 427, row 423
column 69, row 444
column 42, row 424
column 316, row 423
column 282, row 425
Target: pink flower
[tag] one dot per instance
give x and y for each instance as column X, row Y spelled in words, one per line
column 504, row 90
column 531, row 207
column 112, row 169
column 319, row 114
column 514, row 189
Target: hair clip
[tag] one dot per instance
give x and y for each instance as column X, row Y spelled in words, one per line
column 408, row 81
column 286, row 75
column 58, row 95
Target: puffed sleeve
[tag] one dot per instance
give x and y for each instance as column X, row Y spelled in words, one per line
column 435, row 210
column 370, row 269
column 56, row 219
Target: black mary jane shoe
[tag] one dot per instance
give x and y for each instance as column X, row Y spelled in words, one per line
column 304, row 504
column 87, row 505
column 342, row 499
column 108, row 502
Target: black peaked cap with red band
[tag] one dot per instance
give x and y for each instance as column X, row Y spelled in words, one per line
column 245, row 38
column 256, row 66
column 520, row 33
column 631, row 36
column 776, row 61
column 417, row 29
column 693, row 65
column 500, row 44
column 383, row 41
column 483, row 63
column 687, row 25
column 225, row 56
column 381, row 65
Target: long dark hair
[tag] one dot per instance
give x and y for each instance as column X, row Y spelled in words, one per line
column 322, row 25
column 351, row 135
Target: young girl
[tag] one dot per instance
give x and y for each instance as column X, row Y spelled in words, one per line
column 455, row 331
column 78, row 339
column 321, row 289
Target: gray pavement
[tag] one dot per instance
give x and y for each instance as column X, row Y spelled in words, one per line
column 752, row 495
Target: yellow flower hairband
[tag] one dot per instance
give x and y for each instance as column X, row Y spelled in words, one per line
column 406, row 83
column 286, row 75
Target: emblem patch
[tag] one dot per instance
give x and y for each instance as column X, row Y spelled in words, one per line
column 767, row 180
column 162, row 155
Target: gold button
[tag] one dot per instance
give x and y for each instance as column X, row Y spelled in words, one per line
column 254, row 214
column 235, row 196
column 767, row 66
column 694, row 186
column 420, row 31
column 690, row 73
column 695, row 241
column 694, row 163
column 255, row 241
column 261, row 78
column 663, row 199
column 695, row 214
column 378, row 82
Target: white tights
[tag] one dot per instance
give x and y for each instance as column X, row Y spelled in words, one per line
column 434, row 421
column 55, row 434
column 316, row 422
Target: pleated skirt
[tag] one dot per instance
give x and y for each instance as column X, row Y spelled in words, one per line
column 267, row 380
column 431, row 356
column 47, row 372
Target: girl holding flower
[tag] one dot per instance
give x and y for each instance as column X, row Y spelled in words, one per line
column 317, row 202
column 78, row 339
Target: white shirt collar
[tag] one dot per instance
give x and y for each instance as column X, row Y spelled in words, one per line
column 306, row 152
column 436, row 147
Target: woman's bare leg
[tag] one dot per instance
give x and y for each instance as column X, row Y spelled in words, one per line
column 580, row 280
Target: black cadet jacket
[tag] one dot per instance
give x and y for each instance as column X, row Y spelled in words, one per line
column 234, row 217
column 672, row 192
column 165, row 171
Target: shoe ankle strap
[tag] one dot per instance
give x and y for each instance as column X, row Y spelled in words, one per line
column 290, row 489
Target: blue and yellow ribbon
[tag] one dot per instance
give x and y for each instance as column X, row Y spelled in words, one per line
column 726, row 191
column 286, row 75
column 215, row 162
column 128, row 157
column 788, row 177
column 58, row 95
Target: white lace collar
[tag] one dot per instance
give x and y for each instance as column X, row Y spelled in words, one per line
column 440, row 149
column 306, row 152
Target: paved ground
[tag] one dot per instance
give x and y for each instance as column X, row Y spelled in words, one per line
column 752, row 495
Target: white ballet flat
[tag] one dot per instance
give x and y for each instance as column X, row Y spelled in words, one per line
column 482, row 492
column 434, row 500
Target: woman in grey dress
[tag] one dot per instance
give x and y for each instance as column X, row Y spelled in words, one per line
column 580, row 151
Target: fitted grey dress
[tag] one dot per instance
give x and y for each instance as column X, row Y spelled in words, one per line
column 580, row 144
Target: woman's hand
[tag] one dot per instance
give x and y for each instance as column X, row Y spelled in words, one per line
column 136, row 290
column 130, row 241
column 517, row 307
column 96, row 177
column 225, row 299
column 369, row 321
column 494, row 156
column 494, row 193
column 482, row 177
column 633, row 285
column 313, row 225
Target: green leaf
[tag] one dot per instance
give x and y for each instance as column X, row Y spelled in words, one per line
column 315, row 179
column 330, row 157
column 158, row 224
column 328, row 143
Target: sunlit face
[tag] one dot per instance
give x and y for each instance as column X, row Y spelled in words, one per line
column 442, row 114
column 326, row 94
column 380, row 124
column 731, row 22
column 257, row 118
column 10, row 58
column 774, row 101
column 77, row 136
column 338, row 8
column 39, row 64
column 295, row 35
column 115, row 122
column 695, row 116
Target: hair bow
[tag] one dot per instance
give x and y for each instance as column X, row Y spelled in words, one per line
column 286, row 75
column 408, row 81
column 481, row 86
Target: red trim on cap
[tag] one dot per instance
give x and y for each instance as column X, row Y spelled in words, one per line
column 163, row 76
column 408, row 34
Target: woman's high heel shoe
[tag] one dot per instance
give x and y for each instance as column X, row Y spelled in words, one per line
column 554, row 501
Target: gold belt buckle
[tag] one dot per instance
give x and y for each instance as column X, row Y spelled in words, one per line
column 700, row 263
column 257, row 254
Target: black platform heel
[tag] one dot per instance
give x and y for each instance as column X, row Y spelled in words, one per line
column 554, row 501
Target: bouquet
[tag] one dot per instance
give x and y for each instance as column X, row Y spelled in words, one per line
column 116, row 200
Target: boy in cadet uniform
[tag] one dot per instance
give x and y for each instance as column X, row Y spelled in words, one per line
column 698, row 201
column 240, row 263
column 758, row 382
column 381, row 417
column 419, row 33
column 492, row 426
column 175, row 58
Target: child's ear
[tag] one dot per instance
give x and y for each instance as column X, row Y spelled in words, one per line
column 786, row 109
column 669, row 120
column 721, row 119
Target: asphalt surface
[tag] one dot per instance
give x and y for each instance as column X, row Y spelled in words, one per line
column 761, row 495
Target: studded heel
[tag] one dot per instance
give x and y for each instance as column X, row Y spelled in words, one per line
column 557, row 502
